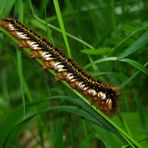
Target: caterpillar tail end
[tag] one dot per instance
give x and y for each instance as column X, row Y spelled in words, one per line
column 3, row 23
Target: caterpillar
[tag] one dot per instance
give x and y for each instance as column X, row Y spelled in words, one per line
column 105, row 98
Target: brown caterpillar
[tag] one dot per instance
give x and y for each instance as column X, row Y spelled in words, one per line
column 103, row 97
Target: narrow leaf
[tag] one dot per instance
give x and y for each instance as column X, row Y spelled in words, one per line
column 138, row 44
column 136, row 65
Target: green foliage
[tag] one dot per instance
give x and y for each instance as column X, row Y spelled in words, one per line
column 109, row 40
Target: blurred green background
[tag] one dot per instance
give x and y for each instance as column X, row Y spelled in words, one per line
column 108, row 39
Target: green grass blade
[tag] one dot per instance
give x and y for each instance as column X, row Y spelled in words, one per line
column 126, row 82
column 99, row 51
column 138, row 44
column 61, row 23
column 136, row 65
column 142, row 113
column 59, row 133
column 20, row 72
column 6, row 7
column 102, row 60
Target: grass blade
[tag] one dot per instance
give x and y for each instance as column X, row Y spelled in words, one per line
column 136, row 65
column 138, row 44
column 61, row 23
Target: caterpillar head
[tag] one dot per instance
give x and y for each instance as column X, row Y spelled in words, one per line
column 107, row 100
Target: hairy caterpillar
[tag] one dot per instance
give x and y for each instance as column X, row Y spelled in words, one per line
column 100, row 95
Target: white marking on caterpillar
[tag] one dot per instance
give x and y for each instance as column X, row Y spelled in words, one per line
column 102, row 95
column 11, row 27
column 85, row 88
column 81, row 85
column 109, row 103
column 21, row 35
column 48, row 57
column 69, row 76
column 92, row 92
column 58, row 66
